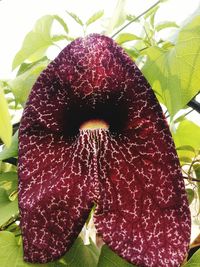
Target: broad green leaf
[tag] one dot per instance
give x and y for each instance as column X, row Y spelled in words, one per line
column 12, row 151
column 80, row 255
column 75, row 17
column 8, row 208
column 94, row 17
column 108, row 258
column 11, row 252
column 5, row 120
column 8, row 181
column 62, row 23
column 27, row 66
column 194, row 261
column 23, row 83
column 166, row 24
column 184, row 160
column 118, row 16
column 126, row 37
column 187, row 134
column 36, row 42
column 190, row 195
column 175, row 72
column 189, row 148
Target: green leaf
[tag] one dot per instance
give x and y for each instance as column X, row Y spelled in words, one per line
column 27, row 66
column 62, row 23
column 190, row 195
column 188, row 148
column 12, row 151
column 187, row 134
column 194, row 261
column 110, row 259
column 36, row 42
column 5, row 120
column 61, row 37
column 94, row 17
column 130, row 17
column 75, row 17
column 197, row 170
column 126, row 37
column 118, row 17
column 11, row 252
column 8, row 208
column 166, row 24
column 132, row 52
column 8, row 182
column 185, row 159
column 151, row 12
column 175, row 72
column 22, row 84
column 80, row 255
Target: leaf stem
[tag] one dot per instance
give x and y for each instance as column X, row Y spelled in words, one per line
column 135, row 19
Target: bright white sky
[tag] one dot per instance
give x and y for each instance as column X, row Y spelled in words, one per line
column 17, row 18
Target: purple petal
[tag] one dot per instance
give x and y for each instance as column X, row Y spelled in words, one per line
column 131, row 170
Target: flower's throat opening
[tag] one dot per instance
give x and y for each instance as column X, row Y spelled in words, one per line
column 94, row 124
column 105, row 114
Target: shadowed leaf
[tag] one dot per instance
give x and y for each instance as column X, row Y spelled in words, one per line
column 194, row 261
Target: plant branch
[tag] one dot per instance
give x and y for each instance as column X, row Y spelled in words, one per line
column 195, row 105
column 135, row 19
column 191, row 179
column 10, row 222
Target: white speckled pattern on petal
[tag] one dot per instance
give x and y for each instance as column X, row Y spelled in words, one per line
column 131, row 170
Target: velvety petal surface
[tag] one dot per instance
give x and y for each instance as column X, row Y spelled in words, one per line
column 130, row 171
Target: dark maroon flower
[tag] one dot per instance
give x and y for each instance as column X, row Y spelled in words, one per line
column 129, row 169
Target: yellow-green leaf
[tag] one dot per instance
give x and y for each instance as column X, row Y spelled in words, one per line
column 118, row 16
column 187, row 135
column 36, row 42
column 166, row 24
column 108, row 258
column 175, row 72
column 75, row 17
column 5, row 120
column 11, row 252
column 12, row 150
column 95, row 17
column 22, row 84
column 194, row 261
column 126, row 37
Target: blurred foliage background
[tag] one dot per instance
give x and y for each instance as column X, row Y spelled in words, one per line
column 171, row 64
